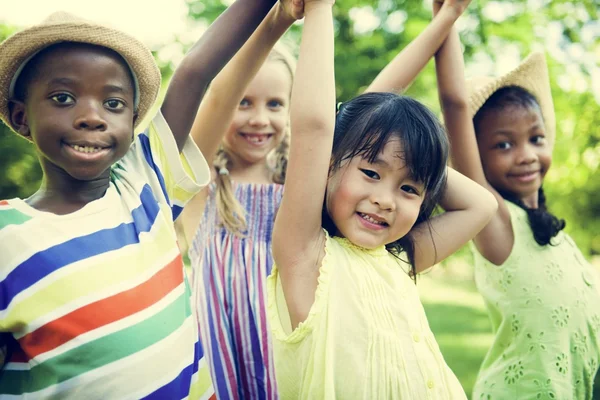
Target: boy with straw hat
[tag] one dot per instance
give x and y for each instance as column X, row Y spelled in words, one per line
column 93, row 298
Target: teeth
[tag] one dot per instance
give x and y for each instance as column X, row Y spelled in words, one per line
column 85, row 149
column 258, row 139
column 372, row 220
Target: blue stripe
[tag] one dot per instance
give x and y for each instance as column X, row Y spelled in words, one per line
column 45, row 262
column 176, row 211
column 178, row 388
column 147, row 150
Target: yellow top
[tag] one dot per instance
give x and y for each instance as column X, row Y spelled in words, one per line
column 366, row 335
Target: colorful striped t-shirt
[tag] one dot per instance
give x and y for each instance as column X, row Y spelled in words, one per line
column 94, row 304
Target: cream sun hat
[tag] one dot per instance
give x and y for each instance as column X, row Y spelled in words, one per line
column 531, row 75
column 59, row 27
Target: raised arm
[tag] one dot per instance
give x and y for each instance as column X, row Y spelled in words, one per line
column 297, row 235
column 405, row 67
column 206, row 58
column 495, row 241
column 468, row 208
column 227, row 89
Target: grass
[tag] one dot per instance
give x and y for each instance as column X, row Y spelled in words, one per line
column 458, row 318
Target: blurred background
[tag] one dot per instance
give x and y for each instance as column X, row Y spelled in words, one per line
column 496, row 35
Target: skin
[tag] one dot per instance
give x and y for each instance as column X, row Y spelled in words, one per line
column 80, row 95
column 68, row 185
column 222, row 105
column 509, row 142
column 262, row 114
column 299, row 252
column 363, row 198
column 515, row 154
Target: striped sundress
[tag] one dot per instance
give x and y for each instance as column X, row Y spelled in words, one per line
column 229, row 278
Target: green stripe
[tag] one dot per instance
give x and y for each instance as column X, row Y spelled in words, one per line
column 97, row 353
column 12, row 217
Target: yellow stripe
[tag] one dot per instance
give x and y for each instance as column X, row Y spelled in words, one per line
column 100, row 275
column 163, row 162
column 202, row 387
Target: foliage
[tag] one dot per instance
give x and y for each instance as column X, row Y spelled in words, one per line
column 369, row 33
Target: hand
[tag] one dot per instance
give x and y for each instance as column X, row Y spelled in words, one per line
column 292, row 8
column 457, row 7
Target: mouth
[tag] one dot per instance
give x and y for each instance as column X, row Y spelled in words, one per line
column 257, row 139
column 372, row 221
column 526, row 176
column 88, row 151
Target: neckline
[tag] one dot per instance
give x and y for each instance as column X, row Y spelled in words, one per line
column 377, row 251
column 90, row 208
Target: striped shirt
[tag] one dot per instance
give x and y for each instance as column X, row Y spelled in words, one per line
column 95, row 304
column 230, row 274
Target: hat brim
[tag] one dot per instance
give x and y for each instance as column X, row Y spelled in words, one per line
column 531, row 75
column 22, row 46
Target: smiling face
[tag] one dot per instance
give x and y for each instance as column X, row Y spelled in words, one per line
column 78, row 111
column 373, row 204
column 514, row 151
column 262, row 116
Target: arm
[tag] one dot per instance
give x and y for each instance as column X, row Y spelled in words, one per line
column 469, row 207
column 223, row 97
column 206, row 58
column 404, row 68
column 297, row 235
column 495, row 241
column 225, row 92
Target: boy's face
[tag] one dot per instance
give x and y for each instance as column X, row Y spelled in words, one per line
column 78, row 111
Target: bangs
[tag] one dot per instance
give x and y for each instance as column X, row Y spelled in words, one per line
column 423, row 139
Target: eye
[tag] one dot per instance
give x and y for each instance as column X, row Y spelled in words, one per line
column 245, row 103
column 114, row 104
column 371, row 174
column 274, row 104
column 503, row 145
column 538, row 139
column 410, row 189
column 63, row 98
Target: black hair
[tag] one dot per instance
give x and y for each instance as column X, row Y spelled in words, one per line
column 543, row 223
column 363, row 127
column 31, row 69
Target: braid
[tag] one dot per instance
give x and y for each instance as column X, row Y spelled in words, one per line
column 231, row 212
column 281, row 159
column 543, row 223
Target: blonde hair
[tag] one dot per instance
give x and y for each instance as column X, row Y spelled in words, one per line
column 231, row 213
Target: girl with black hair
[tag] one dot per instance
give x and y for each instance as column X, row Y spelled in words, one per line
column 543, row 297
column 354, row 224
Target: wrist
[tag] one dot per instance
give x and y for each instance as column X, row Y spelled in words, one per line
column 281, row 17
column 317, row 6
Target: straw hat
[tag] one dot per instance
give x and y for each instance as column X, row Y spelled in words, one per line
column 21, row 47
column 531, row 75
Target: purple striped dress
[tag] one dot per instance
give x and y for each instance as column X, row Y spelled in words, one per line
column 229, row 278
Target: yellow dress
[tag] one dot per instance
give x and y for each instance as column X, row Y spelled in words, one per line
column 366, row 335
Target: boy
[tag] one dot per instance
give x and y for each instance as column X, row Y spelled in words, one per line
column 93, row 299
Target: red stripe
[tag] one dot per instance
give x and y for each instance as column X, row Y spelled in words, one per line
column 3, row 202
column 104, row 311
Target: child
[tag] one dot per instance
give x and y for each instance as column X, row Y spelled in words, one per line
column 93, row 298
column 230, row 249
column 541, row 294
column 353, row 223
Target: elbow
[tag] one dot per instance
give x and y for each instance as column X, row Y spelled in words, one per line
column 489, row 204
column 455, row 103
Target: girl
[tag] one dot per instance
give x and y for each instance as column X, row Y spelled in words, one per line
column 230, row 249
column 354, row 223
column 542, row 295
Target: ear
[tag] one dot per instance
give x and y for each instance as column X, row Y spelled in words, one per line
column 18, row 118
column 135, row 117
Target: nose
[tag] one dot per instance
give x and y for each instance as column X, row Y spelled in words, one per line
column 89, row 117
column 259, row 118
column 527, row 155
column 384, row 199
